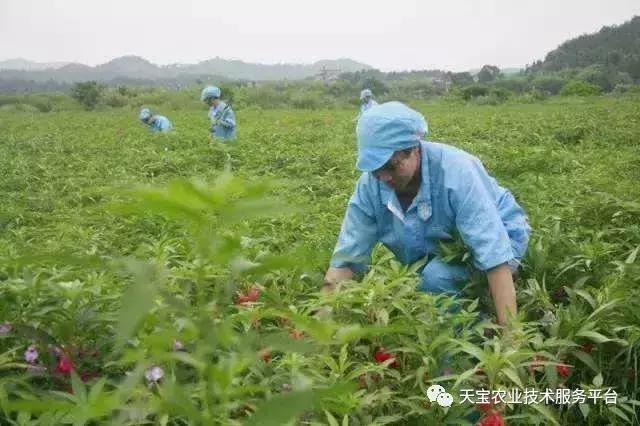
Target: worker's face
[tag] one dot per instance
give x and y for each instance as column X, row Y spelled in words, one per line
column 213, row 102
column 400, row 169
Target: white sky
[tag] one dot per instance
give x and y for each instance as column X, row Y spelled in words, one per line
column 389, row 34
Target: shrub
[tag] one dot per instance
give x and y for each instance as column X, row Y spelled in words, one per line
column 474, row 91
column 548, row 83
column 87, row 93
column 579, row 88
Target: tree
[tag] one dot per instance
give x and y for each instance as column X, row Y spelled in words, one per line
column 88, row 93
column 375, row 85
column 488, row 73
column 460, row 78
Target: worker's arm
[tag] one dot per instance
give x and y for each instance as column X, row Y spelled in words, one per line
column 358, row 235
column 227, row 118
column 503, row 292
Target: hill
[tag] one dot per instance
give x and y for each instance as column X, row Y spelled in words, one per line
column 137, row 68
column 616, row 48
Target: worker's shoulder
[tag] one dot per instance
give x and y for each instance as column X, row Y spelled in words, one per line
column 368, row 188
column 449, row 156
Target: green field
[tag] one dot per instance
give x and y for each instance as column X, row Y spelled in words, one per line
column 115, row 242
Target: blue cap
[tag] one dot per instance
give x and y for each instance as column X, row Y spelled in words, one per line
column 365, row 93
column 145, row 114
column 210, row 92
column 384, row 129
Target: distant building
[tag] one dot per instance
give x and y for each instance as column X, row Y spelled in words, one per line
column 327, row 75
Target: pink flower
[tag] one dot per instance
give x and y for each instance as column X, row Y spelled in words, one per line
column 177, row 345
column 5, row 328
column 154, row 374
column 31, row 354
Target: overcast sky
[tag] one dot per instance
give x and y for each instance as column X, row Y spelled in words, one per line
column 389, row 34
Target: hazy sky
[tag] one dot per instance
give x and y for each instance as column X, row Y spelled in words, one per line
column 389, row 34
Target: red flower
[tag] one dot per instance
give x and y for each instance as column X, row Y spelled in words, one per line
column 251, row 296
column 381, row 355
column 563, row 370
column 493, row 419
column 65, row 365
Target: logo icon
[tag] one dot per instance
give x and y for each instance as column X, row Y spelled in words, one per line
column 436, row 393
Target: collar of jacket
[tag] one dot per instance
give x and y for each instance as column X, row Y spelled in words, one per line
column 422, row 200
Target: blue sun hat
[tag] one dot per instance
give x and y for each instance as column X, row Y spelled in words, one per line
column 210, row 92
column 384, row 129
column 145, row 114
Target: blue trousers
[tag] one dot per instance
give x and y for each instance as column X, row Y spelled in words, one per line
column 440, row 277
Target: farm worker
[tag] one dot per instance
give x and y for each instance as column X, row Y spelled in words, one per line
column 223, row 120
column 412, row 194
column 157, row 123
column 366, row 100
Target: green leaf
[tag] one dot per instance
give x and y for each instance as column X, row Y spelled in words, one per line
column 587, row 359
column 546, row 412
column 601, row 308
column 586, row 296
column 471, row 350
column 189, row 360
column 138, row 299
column 513, row 375
column 619, row 413
column 593, row 335
column 584, row 409
column 78, row 387
column 282, row 408
column 332, row 420
column 597, row 381
column 96, row 390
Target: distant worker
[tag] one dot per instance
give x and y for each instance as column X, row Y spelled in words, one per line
column 223, row 120
column 366, row 100
column 157, row 123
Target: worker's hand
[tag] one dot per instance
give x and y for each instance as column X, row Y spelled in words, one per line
column 337, row 275
column 328, row 287
column 513, row 335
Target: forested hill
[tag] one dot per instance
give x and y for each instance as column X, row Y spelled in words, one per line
column 616, row 47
